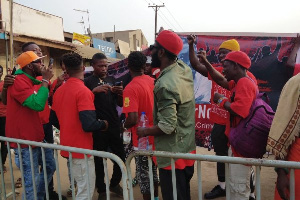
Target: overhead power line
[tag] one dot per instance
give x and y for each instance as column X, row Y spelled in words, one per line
column 167, row 20
column 174, row 19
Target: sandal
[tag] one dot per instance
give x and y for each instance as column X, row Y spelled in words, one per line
column 18, row 183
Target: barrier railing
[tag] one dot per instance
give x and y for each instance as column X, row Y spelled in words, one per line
column 223, row 159
column 126, row 170
column 56, row 148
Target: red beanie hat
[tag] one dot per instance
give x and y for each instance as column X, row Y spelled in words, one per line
column 240, row 58
column 170, row 41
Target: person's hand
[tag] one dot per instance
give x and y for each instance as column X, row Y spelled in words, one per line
column 8, row 80
column 117, row 90
column 140, row 131
column 47, row 73
column 283, row 184
column 106, row 125
column 191, row 39
column 60, row 80
column 101, row 88
column 202, row 56
column 217, row 96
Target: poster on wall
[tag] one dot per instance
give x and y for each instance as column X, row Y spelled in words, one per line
column 268, row 56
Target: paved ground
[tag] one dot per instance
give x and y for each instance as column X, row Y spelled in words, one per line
column 209, row 179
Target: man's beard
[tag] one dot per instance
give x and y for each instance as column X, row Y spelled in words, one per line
column 155, row 60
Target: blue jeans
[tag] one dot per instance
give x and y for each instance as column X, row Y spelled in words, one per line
column 38, row 173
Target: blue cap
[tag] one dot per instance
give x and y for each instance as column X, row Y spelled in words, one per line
column 143, row 113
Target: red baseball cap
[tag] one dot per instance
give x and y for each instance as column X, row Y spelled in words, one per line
column 170, row 41
column 239, row 57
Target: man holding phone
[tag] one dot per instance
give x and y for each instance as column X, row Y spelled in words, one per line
column 108, row 95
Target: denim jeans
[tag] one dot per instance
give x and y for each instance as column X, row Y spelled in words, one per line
column 38, row 173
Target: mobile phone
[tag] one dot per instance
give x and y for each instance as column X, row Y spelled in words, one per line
column 51, row 60
column 13, row 71
column 119, row 83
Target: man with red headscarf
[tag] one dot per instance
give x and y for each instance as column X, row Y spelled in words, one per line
column 173, row 114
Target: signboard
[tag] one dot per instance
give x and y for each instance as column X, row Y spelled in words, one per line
column 81, row 39
column 107, row 47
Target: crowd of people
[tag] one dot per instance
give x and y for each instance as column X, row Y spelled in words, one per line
column 84, row 109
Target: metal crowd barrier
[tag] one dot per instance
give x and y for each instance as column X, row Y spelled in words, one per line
column 223, row 159
column 55, row 147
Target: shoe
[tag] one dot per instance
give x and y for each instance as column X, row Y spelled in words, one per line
column 217, row 191
column 54, row 196
column 118, row 190
column 251, row 198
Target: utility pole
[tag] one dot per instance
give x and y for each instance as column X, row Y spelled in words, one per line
column 156, row 9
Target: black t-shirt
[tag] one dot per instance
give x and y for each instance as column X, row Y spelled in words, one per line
column 105, row 104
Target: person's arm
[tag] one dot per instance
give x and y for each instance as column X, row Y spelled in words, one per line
column 292, row 58
column 53, row 120
column 283, row 182
column 8, row 80
column 167, row 115
column 215, row 75
column 195, row 63
column 131, row 120
column 118, row 90
column 90, row 123
column 226, row 104
column 38, row 101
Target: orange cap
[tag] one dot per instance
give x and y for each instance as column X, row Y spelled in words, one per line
column 26, row 58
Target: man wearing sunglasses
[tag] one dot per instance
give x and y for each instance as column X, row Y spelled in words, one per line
column 23, row 105
column 173, row 114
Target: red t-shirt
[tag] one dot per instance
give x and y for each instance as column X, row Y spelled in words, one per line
column 45, row 114
column 155, row 72
column 245, row 91
column 217, row 114
column 2, row 106
column 68, row 101
column 22, row 122
column 138, row 97
column 181, row 163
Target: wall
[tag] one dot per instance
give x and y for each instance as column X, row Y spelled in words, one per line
column 27, row 21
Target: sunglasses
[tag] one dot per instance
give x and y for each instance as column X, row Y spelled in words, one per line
column 37, row 61
column 153, row 47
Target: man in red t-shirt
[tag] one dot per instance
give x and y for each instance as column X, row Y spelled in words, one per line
column 138, row 98
column 243, row 89
column 73, row 112
column 2, row 122
column 218, row 116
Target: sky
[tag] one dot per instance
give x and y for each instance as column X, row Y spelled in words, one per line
column 271, row 16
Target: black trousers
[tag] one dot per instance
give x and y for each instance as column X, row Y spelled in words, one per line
column 3, row 145
column 183, row 178
column 48, row 131
column 220, row 143
column 104, row 141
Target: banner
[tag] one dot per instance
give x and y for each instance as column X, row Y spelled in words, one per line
column 268, row 56
column 108, row 48
column 81, row 39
